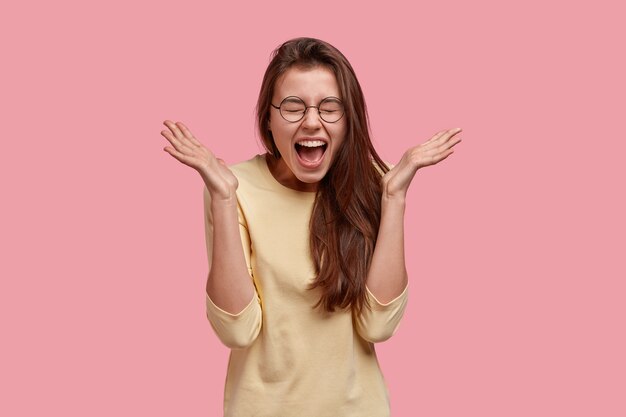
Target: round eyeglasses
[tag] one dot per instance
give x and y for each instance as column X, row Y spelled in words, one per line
column 293, row 109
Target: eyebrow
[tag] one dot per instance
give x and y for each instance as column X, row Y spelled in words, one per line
column 292, row 97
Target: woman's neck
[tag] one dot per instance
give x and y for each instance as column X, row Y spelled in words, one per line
column 281, row 173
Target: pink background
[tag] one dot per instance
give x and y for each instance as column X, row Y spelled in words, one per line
column 515, row 243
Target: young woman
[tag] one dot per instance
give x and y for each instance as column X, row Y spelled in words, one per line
column 305, row 243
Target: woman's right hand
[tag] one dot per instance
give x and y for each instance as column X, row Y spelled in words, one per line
column 220, row 180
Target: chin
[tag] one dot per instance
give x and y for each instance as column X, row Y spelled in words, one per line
column 312, row 178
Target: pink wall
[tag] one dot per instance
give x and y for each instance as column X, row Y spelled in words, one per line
column 515, row 243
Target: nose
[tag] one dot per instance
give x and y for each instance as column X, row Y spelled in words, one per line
column 311, row 118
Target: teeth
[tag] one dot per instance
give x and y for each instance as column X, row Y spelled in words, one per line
column 311, row 143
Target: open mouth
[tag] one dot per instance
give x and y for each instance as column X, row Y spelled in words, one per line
column 311, row 152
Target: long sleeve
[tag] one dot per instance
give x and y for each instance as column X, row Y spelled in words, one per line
column 380, row 321
column 304, row 361
column 234, row 330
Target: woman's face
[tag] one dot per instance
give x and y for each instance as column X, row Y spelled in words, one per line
column 307, row 147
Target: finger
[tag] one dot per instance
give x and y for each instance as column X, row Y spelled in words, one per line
column 179, row 140
column 446, row 154
column 436, row 136
column 180, row 147
column 449, row 134
column 455, row 141
column 447, row 145
column 175, row 130
column 443, row 155
column 442, row 138
column 186, row 137
column 179, row 156
column 187, row 133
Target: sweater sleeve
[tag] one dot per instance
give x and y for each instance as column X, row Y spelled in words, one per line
column 379, row 321
column 236, row 331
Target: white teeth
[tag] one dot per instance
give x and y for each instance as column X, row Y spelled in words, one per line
column 311, row 143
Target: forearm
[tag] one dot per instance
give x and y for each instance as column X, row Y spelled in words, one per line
column 229, row 284
column 387, row 276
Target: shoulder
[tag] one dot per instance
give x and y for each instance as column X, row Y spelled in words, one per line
column 252, row 176
column 247, row 168
column 249, row 172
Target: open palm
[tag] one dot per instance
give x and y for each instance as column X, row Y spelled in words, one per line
column 220, row 180
column 396, row 182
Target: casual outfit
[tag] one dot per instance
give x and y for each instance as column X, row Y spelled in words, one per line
column 288, row 359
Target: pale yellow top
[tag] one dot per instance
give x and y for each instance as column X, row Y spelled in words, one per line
column 288, row 359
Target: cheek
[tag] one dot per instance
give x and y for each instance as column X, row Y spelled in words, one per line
column 339, row 135
column 282, row 136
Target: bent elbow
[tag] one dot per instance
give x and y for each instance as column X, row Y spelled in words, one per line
column 378, row 322
column 239, row 340
column 236, row 331
column 376, row 334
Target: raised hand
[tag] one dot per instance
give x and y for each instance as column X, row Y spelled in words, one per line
column 396, row 182
column 220, row 181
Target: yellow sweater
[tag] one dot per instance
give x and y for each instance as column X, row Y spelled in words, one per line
column 288, row 359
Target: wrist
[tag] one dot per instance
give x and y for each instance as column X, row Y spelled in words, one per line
column 223, row 204
column 224, row 192
column 393, row 202
column 392, row 198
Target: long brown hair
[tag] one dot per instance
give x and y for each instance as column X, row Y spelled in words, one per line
column 346, row 214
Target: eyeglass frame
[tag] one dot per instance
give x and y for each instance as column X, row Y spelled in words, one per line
column 306, row 108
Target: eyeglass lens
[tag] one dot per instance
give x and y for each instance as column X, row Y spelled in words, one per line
column 293, row 109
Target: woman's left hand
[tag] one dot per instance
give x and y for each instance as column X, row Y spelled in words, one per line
column 396, row 182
